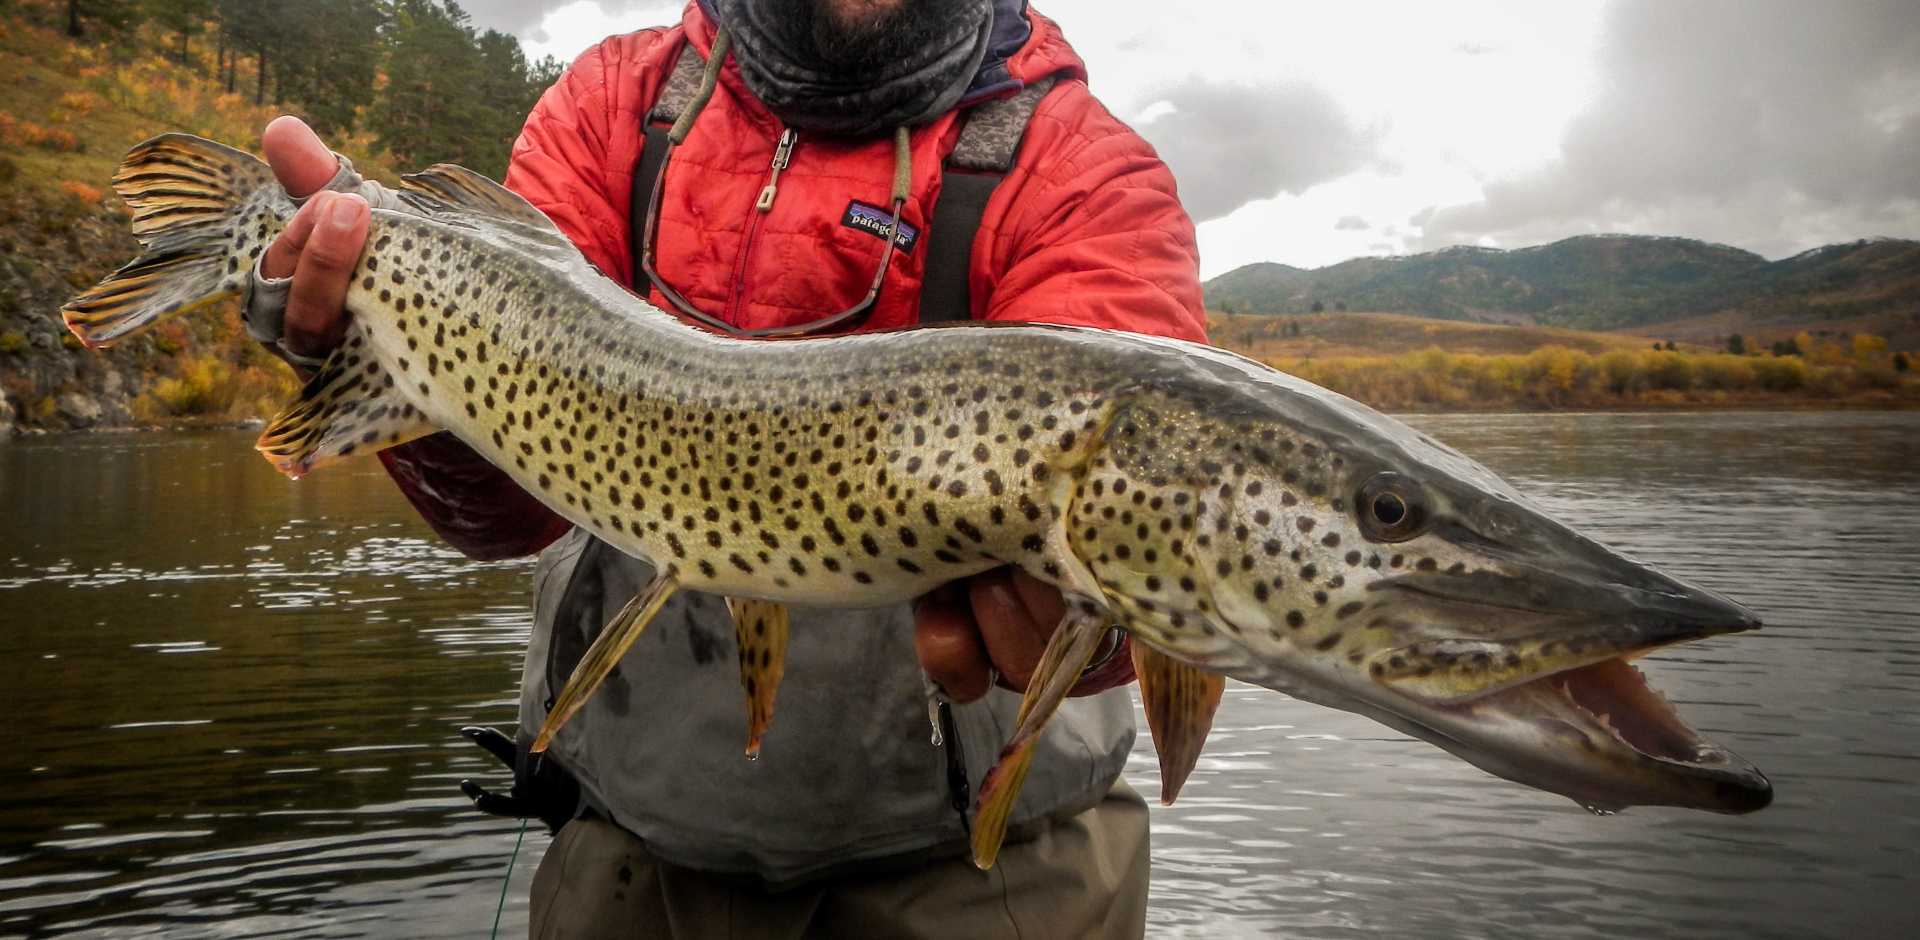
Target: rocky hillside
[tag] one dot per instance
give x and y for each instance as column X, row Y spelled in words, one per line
column 1598, row 282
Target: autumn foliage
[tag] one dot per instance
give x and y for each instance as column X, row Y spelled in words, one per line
column 1559, row 377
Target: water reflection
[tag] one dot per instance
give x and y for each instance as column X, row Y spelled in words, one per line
column 234, row 701
column 1811, row 520
column 235, row 697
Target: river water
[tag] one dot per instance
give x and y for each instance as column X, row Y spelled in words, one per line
column 232, row 704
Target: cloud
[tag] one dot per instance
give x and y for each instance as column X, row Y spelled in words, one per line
column 1229, row 144
column 510, row 16
column 535, row 21
column 1351, row 223
column 1774, row 125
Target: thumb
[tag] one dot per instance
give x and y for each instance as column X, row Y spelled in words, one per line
column 299, row 159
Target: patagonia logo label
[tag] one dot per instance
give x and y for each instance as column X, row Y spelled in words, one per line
column 873, row 220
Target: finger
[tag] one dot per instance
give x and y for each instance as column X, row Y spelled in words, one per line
column 1014, row 639
column 1046, row 607
column 316, row 318
column 494, row 803
column 300, row 160
column 948, row 645
column 284, row 254
column 497, row 744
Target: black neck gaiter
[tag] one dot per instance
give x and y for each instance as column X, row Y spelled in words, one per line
column 907, row 69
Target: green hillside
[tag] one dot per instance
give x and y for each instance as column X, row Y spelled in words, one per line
column 1598, row 282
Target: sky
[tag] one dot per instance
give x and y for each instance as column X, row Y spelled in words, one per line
column 1311, row 133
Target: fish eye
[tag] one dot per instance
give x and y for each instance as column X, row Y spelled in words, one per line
column 1390, row 508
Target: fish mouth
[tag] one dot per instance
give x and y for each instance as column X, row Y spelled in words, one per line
column 1599, row 734
column 1528, row 673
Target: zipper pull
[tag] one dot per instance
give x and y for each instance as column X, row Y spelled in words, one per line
column 782, row 155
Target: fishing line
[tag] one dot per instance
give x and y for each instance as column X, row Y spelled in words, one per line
column 506, row 880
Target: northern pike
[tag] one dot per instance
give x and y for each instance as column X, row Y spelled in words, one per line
column 1235, row 520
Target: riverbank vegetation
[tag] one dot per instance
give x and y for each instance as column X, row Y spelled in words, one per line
column 1400, row 364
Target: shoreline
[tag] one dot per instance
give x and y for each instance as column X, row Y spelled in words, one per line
column 1661, row 408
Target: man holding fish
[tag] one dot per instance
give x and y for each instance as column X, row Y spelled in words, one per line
column 828, row 124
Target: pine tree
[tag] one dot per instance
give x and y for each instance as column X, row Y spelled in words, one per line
column 183, row 18
column 429, row 106
column 113, row 14
column 330, row 70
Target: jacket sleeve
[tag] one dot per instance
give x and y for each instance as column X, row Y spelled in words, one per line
column 564, row 164
column 1088, row 230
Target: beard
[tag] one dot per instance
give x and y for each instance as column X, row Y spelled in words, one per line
column 864, row 39
column 848, row 68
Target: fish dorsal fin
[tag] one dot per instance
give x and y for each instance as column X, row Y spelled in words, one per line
column 462, row 188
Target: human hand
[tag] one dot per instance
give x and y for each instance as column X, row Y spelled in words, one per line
column 321, row 244
column 998, row 621
column 540, row 788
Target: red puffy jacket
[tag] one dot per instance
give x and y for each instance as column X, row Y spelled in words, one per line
column 1085, row 229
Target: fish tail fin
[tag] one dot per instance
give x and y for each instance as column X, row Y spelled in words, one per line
column 194, row 206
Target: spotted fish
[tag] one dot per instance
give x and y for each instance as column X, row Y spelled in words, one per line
column 1235, row 520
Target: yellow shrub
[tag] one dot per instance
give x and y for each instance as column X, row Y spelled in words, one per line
column 1668, row 370
column 13, row 342
column 80, row 103
column 1724, row 372
column 205, row 386
column 1780, row 373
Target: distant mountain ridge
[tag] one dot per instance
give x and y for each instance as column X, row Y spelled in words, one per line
column 1594, row 282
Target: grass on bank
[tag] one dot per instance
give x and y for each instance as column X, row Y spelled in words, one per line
column 1560, row 377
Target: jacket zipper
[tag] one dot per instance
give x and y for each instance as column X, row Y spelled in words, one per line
column 763, row 204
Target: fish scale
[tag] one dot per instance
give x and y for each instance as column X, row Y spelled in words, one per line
column 1233, row 519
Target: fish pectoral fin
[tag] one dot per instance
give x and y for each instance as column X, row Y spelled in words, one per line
column 600, row 658
column 461, row 188
column 350, row 406
column 760, row 633
column 1069, row 471
column 1067, row 654
column 1179, row 701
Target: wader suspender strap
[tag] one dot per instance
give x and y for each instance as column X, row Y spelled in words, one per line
column 981, row 157
column 989, row 140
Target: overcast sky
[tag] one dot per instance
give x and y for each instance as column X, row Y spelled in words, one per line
column 1311, row 133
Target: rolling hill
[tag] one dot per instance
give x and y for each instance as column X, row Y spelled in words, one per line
column 1610, row 282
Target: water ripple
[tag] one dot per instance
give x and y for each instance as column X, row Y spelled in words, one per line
column 242, row 697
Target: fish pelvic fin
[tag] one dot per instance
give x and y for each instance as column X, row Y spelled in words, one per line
column 760, row 631
column 598, row 662
column 350, row 406
column 203, row 212
column 1068, row 651
column 1179, row 701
